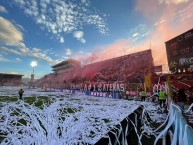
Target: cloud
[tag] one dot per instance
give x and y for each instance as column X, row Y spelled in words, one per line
column 65, row 57
column 68, row 51
column 24, row 50
column 168, row 21
column 173, row 1
column 160, row 22
column 138, row 32
column 79, row 36
column 86, row 2
column 13, row 73
column 63, row 17
column 11, row 41
column 20, row 27
column 18, row 59
column 61, row 40
column 3, row 9
column 80, row 51
column 10, row 50
column 41, row 55
column 135, row 34
column 36, row 50
column 3, row 59
column 27, row 52
column 9, row 34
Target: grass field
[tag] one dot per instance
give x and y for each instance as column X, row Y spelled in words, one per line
column 53, row 117
column 59, row 118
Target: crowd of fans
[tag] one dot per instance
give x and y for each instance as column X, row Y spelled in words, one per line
column 130, row 68
column 10, row 80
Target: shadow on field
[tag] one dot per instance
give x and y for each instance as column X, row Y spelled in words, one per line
column 125, row 131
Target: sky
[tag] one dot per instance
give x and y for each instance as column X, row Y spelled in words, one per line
column 51, row 31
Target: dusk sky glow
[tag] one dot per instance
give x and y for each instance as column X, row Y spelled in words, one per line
column 50, row 31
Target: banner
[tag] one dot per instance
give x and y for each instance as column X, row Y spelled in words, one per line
column 136, row 93
column 147, row 81
column 100, row 87
column 114, row 95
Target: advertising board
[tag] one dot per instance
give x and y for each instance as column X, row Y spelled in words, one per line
column 180, row 51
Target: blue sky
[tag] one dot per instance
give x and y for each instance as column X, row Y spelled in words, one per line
column 50, row 31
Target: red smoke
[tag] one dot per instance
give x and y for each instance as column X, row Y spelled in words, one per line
column 167, row 21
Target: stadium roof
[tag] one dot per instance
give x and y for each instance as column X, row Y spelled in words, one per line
column 65, row 62
column 11, row 74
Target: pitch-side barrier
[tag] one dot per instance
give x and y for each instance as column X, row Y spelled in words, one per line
column 182, row 132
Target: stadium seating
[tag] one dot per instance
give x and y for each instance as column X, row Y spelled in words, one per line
column 129, row 68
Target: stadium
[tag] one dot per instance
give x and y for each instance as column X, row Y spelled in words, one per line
column 132, row 68
column 125, row 76
column 96, row 72
column 99, row 103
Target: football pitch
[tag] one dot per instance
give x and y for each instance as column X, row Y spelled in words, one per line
column 47, row 117
column 54, row 118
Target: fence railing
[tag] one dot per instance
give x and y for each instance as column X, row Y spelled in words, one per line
column 182, row 132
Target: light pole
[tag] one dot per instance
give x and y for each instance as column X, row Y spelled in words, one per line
column 33, row 65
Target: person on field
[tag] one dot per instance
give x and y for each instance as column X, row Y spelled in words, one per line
column 156, row 96
column 143, row 95
column 20, row 92
column 162, row 98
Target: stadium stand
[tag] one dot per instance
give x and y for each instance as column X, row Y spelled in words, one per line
column 10, row 79
column 129, row 68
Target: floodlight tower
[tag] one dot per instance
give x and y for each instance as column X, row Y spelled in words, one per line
column 33, row 65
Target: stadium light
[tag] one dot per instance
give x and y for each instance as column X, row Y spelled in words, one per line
column 33, row 64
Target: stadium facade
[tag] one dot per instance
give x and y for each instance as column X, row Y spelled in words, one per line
column 65, row 66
